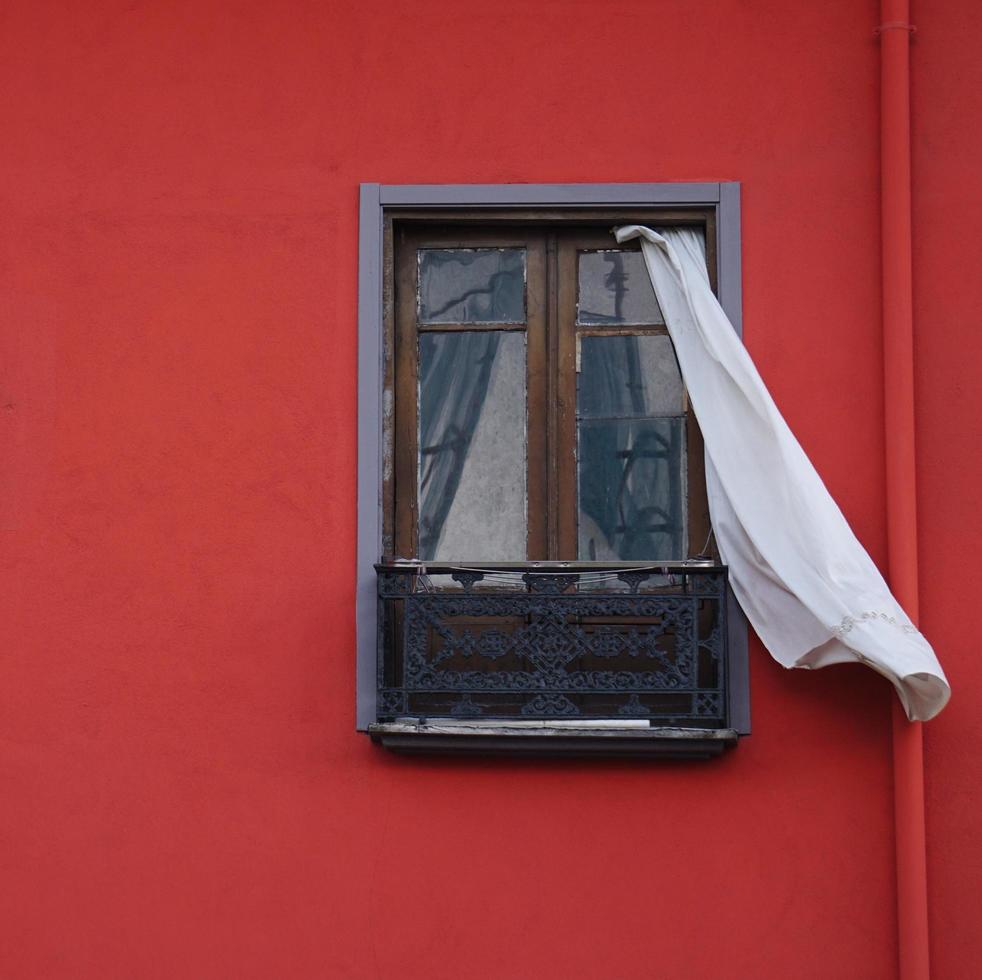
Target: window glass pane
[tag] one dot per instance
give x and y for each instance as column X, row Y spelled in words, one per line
column 628, row 376
column 630, row 450
column 614, row 289
column 472, row 457
column 471, row 285
column 631, row 475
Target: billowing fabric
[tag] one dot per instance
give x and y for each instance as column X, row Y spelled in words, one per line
column 807, row 585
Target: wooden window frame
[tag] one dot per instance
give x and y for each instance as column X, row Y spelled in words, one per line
column 401, row 331
column 551, row 242
column 386, row 208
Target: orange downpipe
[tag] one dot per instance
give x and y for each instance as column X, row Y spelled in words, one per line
column 898, row 368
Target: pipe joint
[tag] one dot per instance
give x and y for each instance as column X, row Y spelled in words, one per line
column 895, row 25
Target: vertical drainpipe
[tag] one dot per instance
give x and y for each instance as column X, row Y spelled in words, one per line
column 898, row 368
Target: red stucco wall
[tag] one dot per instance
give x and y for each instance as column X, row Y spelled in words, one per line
column 183, row 792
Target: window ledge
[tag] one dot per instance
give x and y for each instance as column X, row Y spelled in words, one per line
column 551, row 738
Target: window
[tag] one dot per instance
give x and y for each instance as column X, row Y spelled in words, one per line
column 520, row 402
column 539, row 410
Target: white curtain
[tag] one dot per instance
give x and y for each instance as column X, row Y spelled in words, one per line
column 807, row 585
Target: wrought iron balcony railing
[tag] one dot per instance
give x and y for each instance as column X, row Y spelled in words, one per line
column 572, row 646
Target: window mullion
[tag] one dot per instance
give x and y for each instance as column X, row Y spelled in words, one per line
column 564, row 295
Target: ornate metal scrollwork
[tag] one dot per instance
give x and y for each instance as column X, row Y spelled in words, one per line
column 556, row 646
column 549, row 584
column 466, row 578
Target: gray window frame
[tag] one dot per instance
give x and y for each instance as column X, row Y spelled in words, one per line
column 376, row 200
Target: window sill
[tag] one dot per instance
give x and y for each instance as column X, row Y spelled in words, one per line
column 599, row 739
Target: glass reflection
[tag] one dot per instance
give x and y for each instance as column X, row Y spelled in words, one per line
column 630, row 450
column 631, row 489
column 471, row 285
column 632, row 376
column 471, row 465
column 615, row 289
